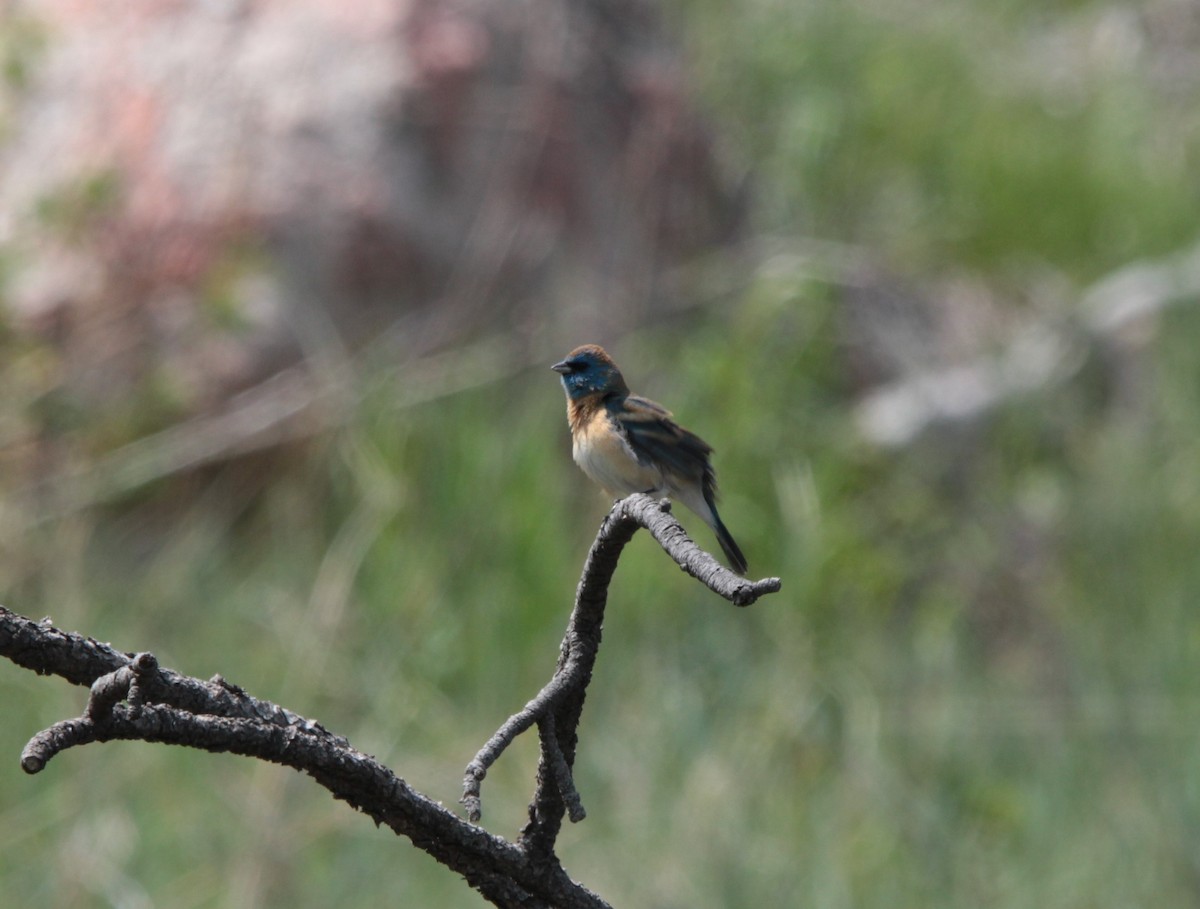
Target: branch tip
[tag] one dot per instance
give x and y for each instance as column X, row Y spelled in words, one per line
column 745, row 594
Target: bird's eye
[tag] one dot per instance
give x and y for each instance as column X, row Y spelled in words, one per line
column 577, row 365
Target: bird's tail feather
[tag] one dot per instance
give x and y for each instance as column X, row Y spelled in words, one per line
column 737, row 561
column 706, row 507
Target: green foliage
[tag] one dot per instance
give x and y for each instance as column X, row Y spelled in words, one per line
column 987, row 135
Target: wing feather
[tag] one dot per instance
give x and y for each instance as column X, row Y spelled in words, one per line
column 655, row 438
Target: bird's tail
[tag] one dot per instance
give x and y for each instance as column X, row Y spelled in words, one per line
column 737, row 561
column 705, row 505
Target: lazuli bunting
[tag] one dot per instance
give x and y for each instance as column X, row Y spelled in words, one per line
column 628, row 444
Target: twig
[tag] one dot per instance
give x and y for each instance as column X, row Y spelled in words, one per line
column 558, row 766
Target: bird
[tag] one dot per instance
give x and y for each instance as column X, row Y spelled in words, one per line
column 626, row 443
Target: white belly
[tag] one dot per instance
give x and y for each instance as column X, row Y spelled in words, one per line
column 610, row 462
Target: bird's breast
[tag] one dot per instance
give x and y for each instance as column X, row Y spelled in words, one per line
column 603, row 454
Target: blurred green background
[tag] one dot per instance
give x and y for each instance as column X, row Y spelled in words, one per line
column 978, row 686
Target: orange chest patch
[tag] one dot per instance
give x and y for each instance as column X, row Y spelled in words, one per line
column 601, row 451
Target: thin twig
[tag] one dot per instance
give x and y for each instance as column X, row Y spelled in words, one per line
column 558, row 766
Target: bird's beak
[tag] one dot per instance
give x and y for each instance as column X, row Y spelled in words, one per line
column 561, row 368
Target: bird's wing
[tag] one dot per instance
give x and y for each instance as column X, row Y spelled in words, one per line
column 657, row 439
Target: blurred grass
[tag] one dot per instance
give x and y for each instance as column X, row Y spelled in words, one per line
column 1001, row 136
column 978, row 686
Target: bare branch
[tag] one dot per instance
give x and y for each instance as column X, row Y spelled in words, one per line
column 656, row 517
column 82, row 660
column 557, row 707
column 133, row 698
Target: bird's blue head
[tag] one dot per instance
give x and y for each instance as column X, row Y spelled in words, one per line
column 588, row 370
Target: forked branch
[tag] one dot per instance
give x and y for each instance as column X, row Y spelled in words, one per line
column 557, row 707
column 133, row 698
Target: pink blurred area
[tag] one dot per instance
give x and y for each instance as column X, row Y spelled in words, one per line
column 203, row 193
